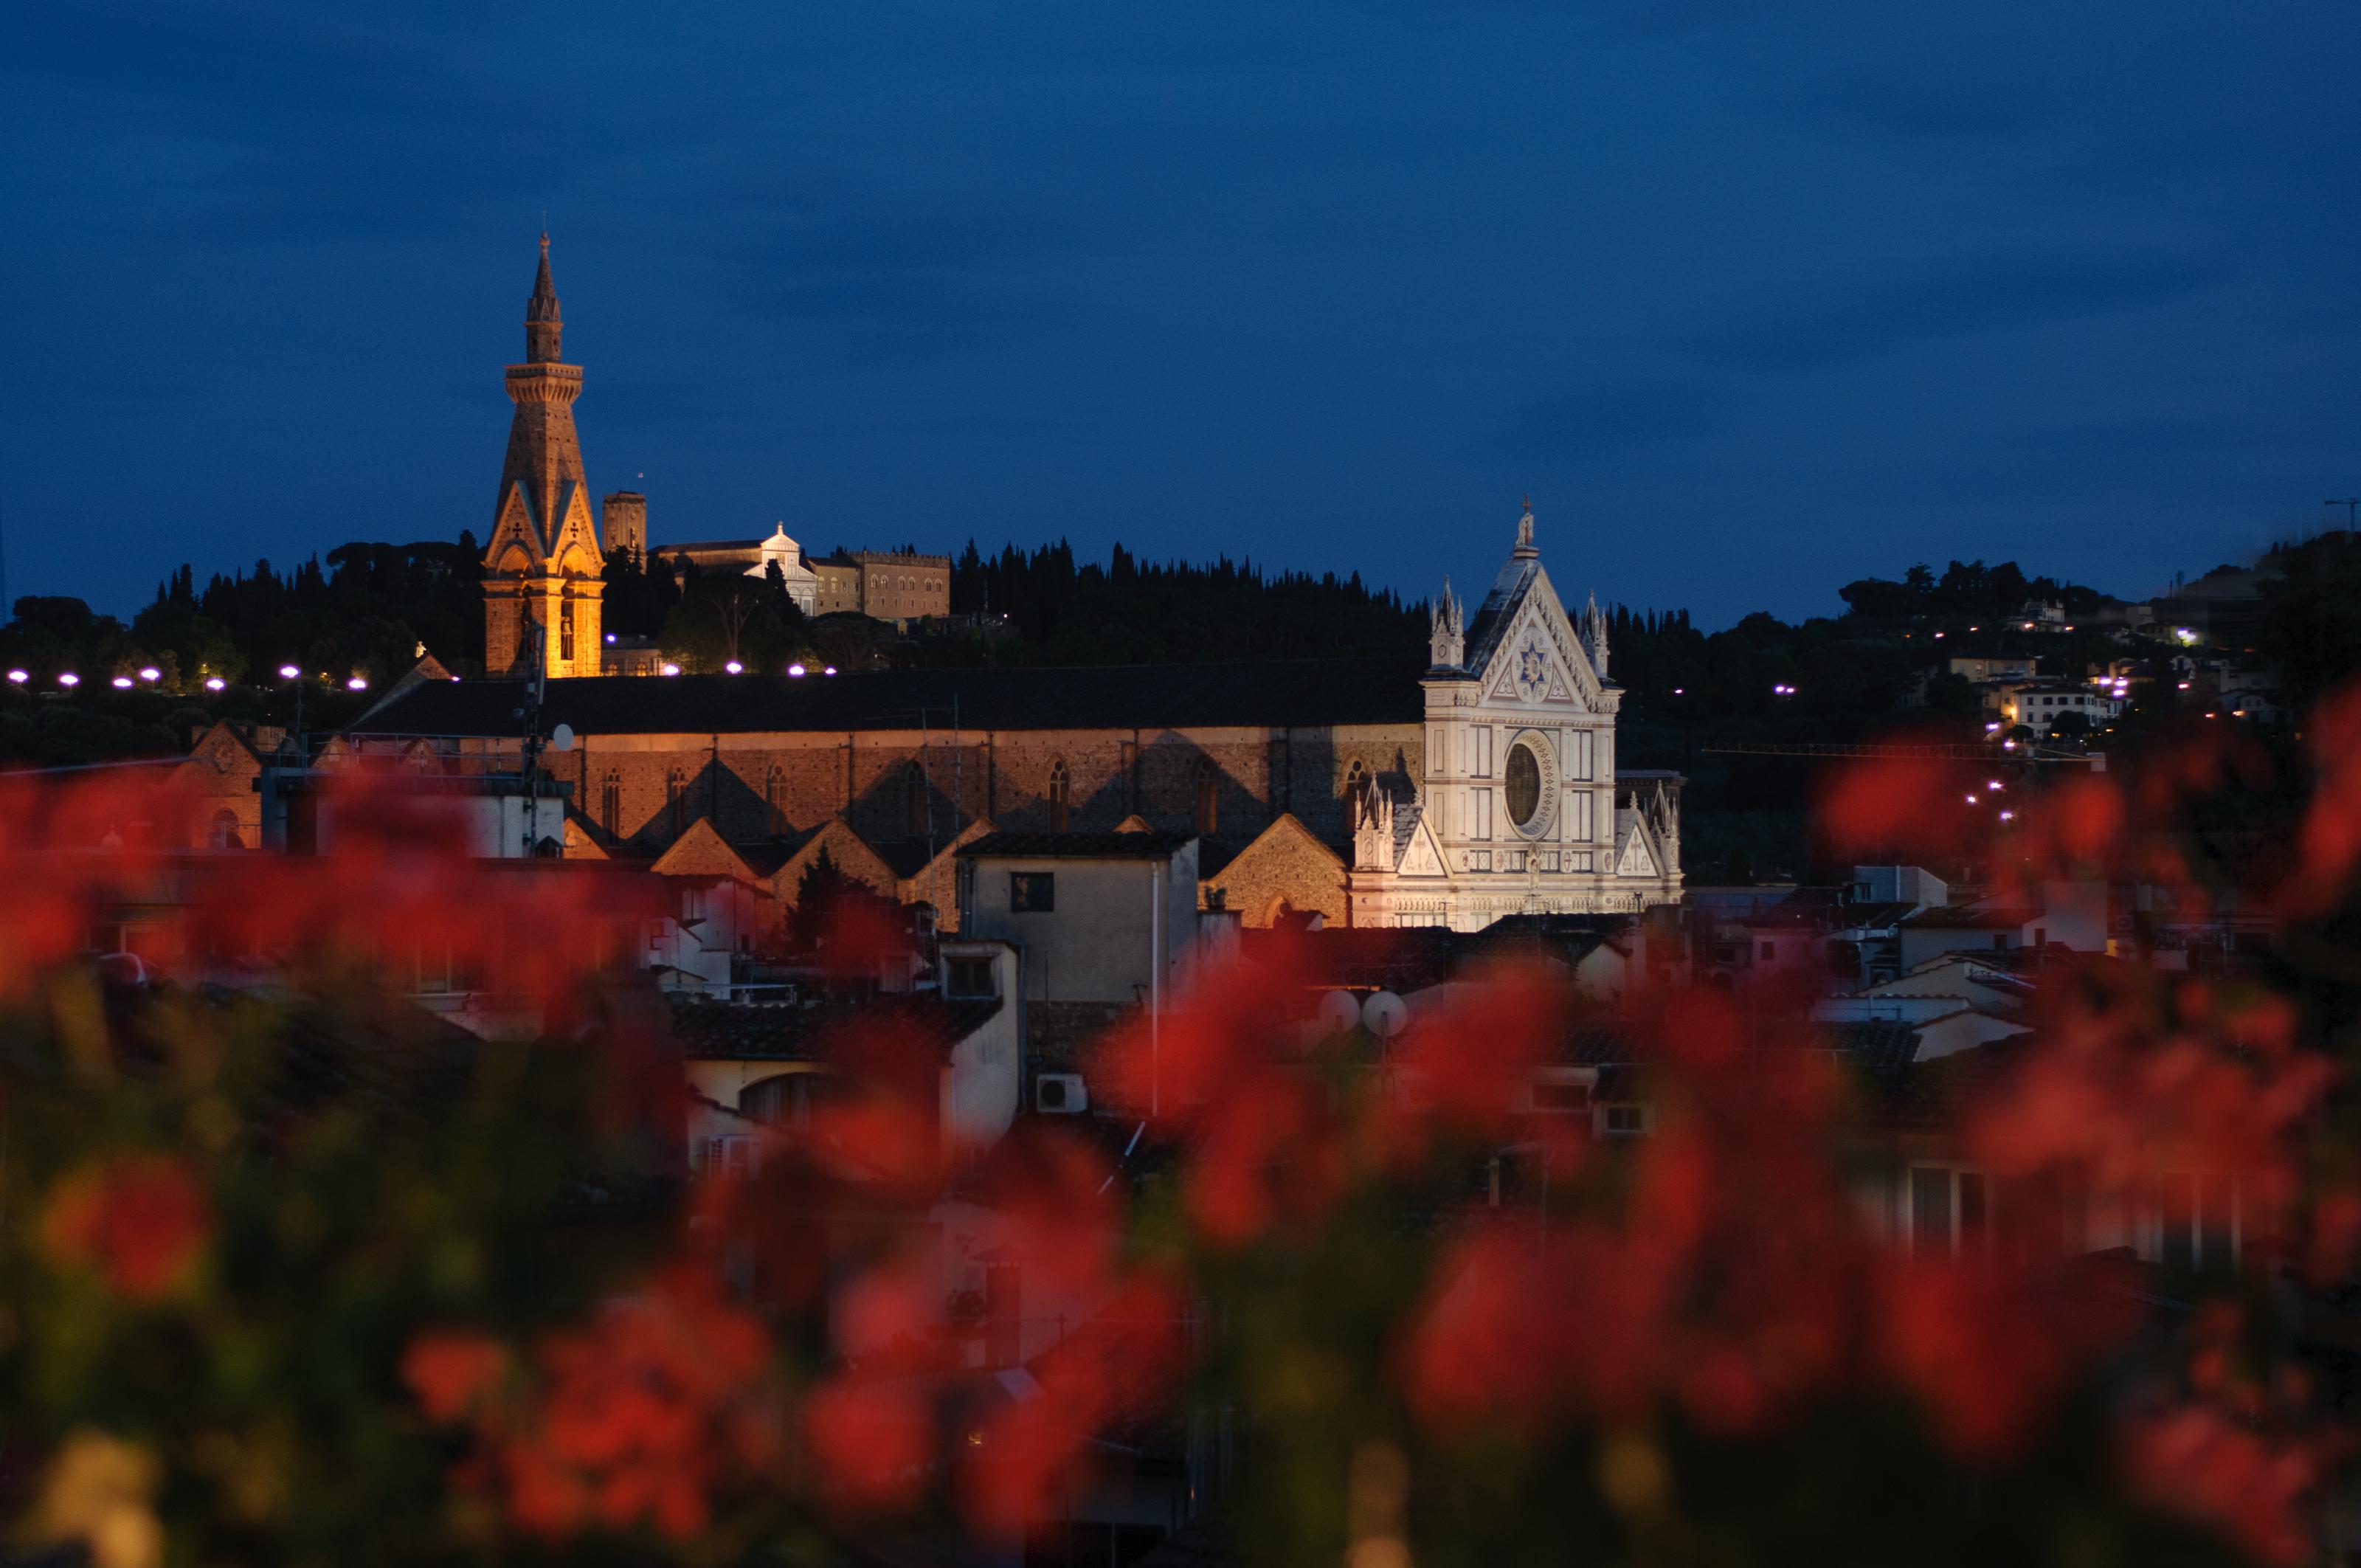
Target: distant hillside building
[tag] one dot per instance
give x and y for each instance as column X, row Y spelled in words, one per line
column 898, row 586
column 542, row 588
column 753, row 558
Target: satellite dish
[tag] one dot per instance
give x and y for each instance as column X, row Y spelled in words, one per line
column 1338, row 1012
column 1385, row 1014
column 562, row 737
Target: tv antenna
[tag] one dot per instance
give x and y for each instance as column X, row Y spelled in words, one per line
column 2352, row 505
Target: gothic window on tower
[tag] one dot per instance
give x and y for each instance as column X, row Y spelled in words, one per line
column 775, row 799
column 224, row 834
column 1209, row 797
column 914, row 801
column 610, row 802
column 1356, row 790
column 677, row 801
column 1061, row 786
column 1581, row 741
column 565, row 629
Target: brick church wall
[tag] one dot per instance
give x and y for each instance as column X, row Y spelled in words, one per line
column 1005, row 776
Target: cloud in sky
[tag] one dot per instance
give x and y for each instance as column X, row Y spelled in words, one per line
column 1753, row 299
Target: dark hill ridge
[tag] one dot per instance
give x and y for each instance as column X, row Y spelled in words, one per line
column 1265, row 694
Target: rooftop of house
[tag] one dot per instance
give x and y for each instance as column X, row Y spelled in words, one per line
column 708, row 1030
column 1310, row 693
column 1954, row 919
column 1109, row 846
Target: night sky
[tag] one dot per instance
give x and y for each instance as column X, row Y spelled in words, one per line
column 1753, row 299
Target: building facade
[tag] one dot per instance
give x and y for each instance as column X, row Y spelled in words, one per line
column 1480, row 782
column 753, row 558
column 1519, row 808
column 542, row 588
column 900, row 586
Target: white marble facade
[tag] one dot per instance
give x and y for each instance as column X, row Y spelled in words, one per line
column 1520, row 809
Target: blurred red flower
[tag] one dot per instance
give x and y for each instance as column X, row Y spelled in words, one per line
column 141, row 1221
column 448, row 1372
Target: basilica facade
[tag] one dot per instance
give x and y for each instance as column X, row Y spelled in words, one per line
column 1519, row 807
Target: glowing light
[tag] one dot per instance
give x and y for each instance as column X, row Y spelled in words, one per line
column 150, row 672
column 2008, row 745
column 357, row 683
column 288, row 672
column 1993, row 784
column 1938, row 636
column 68, row 679
column 610, row 637
column 1992, row 728
column 734, row 667
column 830, row 671
column 122, row 684
column 1972, row 797
column 214, row 684
column 2008, row 817
column 2184, row 685
column 1676, row 691
column 795, row 669
column 18, row 676
column 672, row 669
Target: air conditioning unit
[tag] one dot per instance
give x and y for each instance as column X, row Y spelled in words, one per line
column 1060, row 1094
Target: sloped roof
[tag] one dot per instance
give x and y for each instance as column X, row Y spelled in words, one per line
column 1955, row 919
column 708, row 1030
column 1271, row 693
column 1498, row 610
column 1935, row 1094
column 1118, row 845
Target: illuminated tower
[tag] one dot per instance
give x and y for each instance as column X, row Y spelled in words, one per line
column 542, row 584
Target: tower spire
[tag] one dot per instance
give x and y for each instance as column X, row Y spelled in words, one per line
column 542, row 325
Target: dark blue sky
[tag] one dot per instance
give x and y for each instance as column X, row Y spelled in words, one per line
column 1753, row 299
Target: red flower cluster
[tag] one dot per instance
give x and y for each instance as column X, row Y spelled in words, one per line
column 638, row 1419
column 141, row 1222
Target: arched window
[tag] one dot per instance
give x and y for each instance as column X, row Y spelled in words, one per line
column 1062, row 794
column 1209, row 797
column 914, row 801
column 774, row 798
column 677, row 801
column 610, row 802
column 222, row 833
column 1357, row 792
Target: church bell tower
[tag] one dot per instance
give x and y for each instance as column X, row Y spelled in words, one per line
column 542, row 588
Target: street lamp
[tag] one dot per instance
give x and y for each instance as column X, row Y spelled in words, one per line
column 68, row 679
column 150, row 672
column 215, row 683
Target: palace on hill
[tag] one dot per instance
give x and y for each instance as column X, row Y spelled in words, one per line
column 1481, row 784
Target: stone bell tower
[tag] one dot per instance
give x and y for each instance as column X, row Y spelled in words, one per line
column 542, row 590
